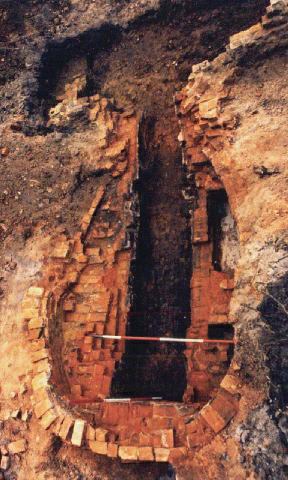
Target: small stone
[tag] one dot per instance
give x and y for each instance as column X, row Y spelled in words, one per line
column 23, row 389
column 4, row 151
column 25, row 416
column 236, row 367
column 5, row 462
column 4, row 450
column 15, row 413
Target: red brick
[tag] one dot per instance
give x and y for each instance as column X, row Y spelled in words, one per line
column 164, row 410
column 112, row 450
column 146, row 454
column 128, row 453
column 161, row 454
column 98, row 447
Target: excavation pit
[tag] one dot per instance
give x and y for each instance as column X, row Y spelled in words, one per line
column 155, row 253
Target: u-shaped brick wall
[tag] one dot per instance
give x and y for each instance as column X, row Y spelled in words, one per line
column 84, row 288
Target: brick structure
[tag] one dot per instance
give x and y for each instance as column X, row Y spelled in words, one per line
column 211, row 285
column 84, row 289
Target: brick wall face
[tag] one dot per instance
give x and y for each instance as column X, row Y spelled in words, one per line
column 211, row 292
column 99, row 302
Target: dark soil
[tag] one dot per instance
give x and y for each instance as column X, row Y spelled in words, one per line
column 43, row 184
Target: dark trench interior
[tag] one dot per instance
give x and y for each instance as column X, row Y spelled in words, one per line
column 223, row 331
column 161, row 275
column 217, row 204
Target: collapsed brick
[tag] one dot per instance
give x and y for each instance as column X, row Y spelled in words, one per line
column 78, row 432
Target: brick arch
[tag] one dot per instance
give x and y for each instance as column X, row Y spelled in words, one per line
column 164, row 433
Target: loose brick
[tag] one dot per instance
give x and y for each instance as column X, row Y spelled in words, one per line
column 39, row 395
column 101, row 434
column 42, row 407
column 227, row 284
column 5, row 462
column 112, row 450
column 40, row 381
column 48, row 418
column 161, row 454
column 42, row 366
column 34, row 334
column 90, row 433
column 65, row 427
column 68, row 306
column 146, row 454
column 212, row 417
column 40, row 355
column 98, row 447
column 57, row 424
column 78, row 432
column 61, row 251
column 230, row 383
column 29, row 313
column 37, row 292
column 37, row 345
column 128, row 453
column 36, row 322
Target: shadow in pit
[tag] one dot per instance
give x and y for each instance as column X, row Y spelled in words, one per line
column 161, row 272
